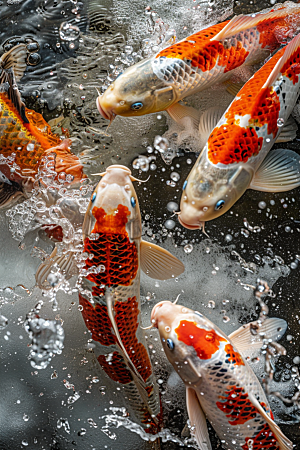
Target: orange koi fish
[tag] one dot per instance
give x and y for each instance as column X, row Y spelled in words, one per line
column 110, row 295
column 220, row 385
column 236, row 156
column 25, row 137
column 198, row 62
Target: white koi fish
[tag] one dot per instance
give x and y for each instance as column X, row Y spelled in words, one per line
column 220, row 385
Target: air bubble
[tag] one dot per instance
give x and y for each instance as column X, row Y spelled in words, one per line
column 3, row 322
column 262, row 205
column 280, row 122
column 169, row 224
column 168, row 329
column 69, row 32
column 188, row 248
column 211, row 304
column 175, row 176
column 172, row 206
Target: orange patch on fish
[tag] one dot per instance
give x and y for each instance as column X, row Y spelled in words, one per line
column 112, row 249
column 291, row 68
column 206, row 343
column 114, row 366
column 265, row 439
column 237, row 406
column 233, row 356
column 272, row 30
column 126, row 317
column 229, row 144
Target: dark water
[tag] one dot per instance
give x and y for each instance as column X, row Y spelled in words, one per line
column 65, row 405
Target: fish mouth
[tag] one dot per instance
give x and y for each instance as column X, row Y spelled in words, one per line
column 189, row 226
column 103, row 113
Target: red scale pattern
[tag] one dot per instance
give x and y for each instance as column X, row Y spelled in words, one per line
column 204, row 53
column 231, row 143
column 233, row 356
column 264, row 440
column 291, row 69
column 237, row 407
column 115, row 368
column 273, row 31
column 126, row 316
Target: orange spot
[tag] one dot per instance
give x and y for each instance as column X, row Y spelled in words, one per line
column 112, row 249
column 233, row 356
column 228, row 144
column 231, row 143
column 237, row 406
column 206, row 343
column 274, row 31
column 54, row 232
column 291, row 68
column 264, row 439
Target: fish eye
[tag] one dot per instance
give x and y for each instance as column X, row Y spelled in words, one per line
column 93, row 197
column 184, row 185
column 170, row 344
column 136, row 106
column 133, row 202
column 219, row 205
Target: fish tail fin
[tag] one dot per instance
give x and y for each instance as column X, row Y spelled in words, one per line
column 285, row 61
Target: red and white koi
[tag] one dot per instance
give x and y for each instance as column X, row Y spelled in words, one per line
column 198, row 62
column 110, row 293
column 220, row 385
column 236, row 156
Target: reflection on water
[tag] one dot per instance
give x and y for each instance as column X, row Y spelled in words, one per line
column 76, row 48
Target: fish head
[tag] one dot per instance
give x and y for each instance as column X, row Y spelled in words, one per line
column 136, row 92
column 189, row 339
column 114, row 205
column 210, row 191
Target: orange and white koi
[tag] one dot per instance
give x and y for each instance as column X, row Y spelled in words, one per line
column 236, row 156
column 110, row 294
column 220, row 385
column 25, row 137
column 198, row 62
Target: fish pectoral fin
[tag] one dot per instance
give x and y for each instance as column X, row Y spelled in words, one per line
column 283, row 441
column 158, row 263
column 246, row 342
column 9, row 192
column 279, row 172
column 197, row 419
column 233, row 88
column 180, row 112
column 64, row 262
column 15, row 58
column 288, row 131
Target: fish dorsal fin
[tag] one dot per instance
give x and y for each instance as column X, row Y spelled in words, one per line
column 158, row 263
column 279, row 172
column 139, row 382
column 243, row 22
column 245, row 341
column 289, row 50
column 283, row 441
column 197, row 419
column 15, row 58
column 7, row 76
column 65, row 263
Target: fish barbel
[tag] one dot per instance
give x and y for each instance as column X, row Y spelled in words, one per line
column 25, row 136
column 237, row 153
column 110, row 294
column 198, row 62
column 220, row 385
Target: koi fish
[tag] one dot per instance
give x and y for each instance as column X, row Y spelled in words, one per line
column 110, row 295
column 220, row 385
column 197, row 62
column 236, row 156
column 25, row 137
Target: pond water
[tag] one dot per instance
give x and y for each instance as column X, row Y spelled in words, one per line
column 69, row 402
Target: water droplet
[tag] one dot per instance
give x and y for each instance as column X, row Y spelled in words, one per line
column 189, row 161
column 69, row 32
column 169, row 224
column 287, row 229
column 80, row 308
column 172, row 206
column 25, row 418
column 168, row 329
column 226, row 319
column 3, row 322
column 262, row 205
column 280, row 122
column 211, row 304
column 188, row 248
column 25, row 443
column 30, row 147
column 175, row 176
column 228, row 238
